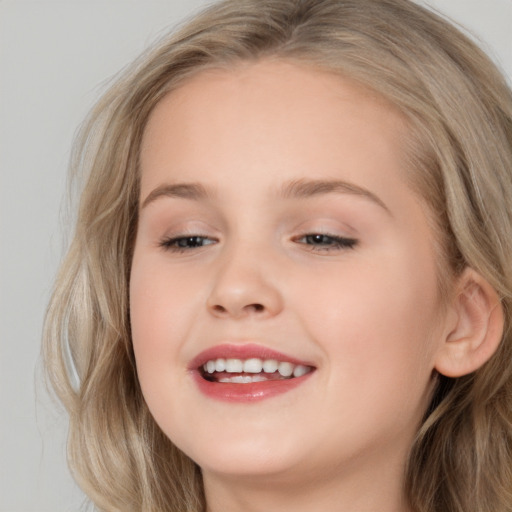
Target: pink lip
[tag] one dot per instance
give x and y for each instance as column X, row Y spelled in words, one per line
column 255, row 391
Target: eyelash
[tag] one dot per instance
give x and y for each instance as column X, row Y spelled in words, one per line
column 172, row 244
column 325, row 242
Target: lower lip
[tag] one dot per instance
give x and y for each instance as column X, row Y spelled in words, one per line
column 250, row 392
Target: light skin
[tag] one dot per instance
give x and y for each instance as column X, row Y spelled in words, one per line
column 277, row 153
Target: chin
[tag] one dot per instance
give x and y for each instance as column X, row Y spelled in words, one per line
column 250, row 457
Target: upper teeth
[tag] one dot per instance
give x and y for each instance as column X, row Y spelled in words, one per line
column 255, row 365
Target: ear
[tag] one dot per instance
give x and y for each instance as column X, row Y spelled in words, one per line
column 476, row 327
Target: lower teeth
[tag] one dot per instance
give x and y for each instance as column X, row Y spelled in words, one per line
column 243, row 379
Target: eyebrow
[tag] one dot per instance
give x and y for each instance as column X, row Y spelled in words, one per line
column 303, row 188
column 194, row 191
column 296, row 189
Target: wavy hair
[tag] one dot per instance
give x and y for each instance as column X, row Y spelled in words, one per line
column 459, row 110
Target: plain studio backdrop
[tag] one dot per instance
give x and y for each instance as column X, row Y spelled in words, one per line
column 55, row 59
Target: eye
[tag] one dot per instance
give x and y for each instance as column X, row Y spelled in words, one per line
column 186, row 243
column 326, row 242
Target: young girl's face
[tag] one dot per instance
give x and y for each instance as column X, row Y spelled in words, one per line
column 276, row 228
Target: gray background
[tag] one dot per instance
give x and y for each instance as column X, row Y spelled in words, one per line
column 55, row 59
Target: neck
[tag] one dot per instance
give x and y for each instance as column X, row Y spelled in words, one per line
column 339, row 491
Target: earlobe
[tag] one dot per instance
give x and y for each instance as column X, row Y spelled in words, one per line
column 477, row 330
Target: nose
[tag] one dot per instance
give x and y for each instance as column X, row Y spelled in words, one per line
column 243, row 287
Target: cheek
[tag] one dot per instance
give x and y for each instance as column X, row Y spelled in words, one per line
column 376, row 336
column 163, row 309
column 375, row 321
column 161, row 312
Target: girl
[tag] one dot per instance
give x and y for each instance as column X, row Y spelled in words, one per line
column 290, row 282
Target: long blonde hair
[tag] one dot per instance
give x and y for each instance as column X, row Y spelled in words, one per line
column 459, row 109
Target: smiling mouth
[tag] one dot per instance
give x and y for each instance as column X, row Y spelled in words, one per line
column 247, row 371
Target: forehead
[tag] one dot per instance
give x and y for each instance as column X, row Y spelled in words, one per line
column 272, row 118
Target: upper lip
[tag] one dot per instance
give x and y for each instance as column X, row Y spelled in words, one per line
column 242, row 351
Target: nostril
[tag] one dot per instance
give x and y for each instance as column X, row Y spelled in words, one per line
column 254, row 308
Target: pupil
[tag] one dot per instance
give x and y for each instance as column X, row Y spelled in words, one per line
column 318, row 239
column 191, row 241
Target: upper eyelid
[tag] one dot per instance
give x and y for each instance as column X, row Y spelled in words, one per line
column 169, row 243
column 347, row 233
column 341, row 241
column 326, row 234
